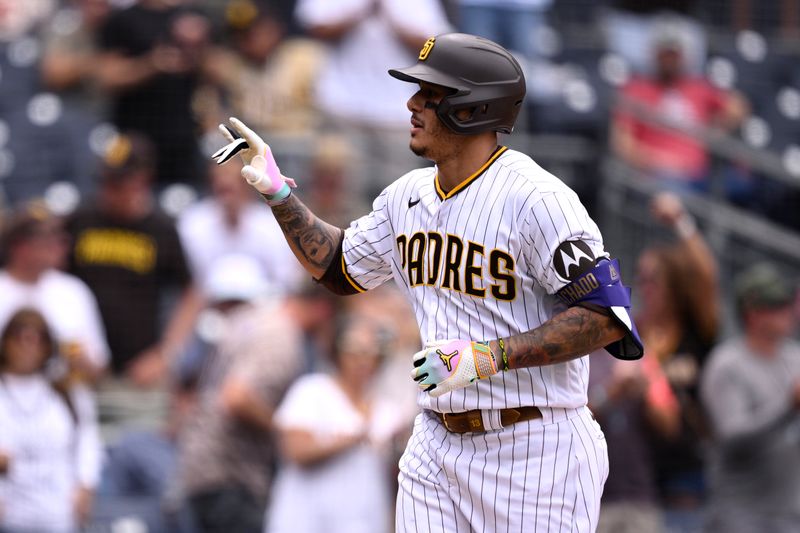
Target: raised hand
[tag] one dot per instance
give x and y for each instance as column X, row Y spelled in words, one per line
column 260, row 170
column 242, row 141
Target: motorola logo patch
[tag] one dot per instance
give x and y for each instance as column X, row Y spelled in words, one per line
column 573, row 258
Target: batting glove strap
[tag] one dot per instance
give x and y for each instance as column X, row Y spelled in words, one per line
column 279, row 197
column 485, row 361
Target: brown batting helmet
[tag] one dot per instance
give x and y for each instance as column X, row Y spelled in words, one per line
column 483, row 76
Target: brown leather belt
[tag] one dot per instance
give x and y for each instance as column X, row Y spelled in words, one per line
column 472, row 421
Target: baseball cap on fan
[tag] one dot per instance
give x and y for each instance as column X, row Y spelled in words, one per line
column 28, row 220
column 126, row 154
column 762, row 286
column 241, row 15
column 668, row 35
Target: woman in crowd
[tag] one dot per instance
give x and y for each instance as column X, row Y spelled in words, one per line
column 678, row 318
column 334, row 433
column 50, row 447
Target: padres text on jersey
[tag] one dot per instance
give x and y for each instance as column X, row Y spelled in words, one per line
column 481, row 261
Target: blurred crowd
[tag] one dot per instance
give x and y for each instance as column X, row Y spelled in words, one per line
column 167, row 366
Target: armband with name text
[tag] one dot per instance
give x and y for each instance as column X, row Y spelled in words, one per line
column 602, row 286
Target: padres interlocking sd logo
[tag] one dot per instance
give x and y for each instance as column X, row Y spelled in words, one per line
column 426, row 48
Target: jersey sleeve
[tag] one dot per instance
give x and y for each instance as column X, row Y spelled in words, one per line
column 367, row 247
column 561, row 241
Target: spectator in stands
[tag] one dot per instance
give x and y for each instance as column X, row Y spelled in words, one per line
column 364, row 38
column 316, row 319
column 749, row 15
column 19, row 18
column 129, row 253
column 227, row 452
column 50, row 449
column 332, row 428
column 633, row 402
column 69, row 67
column 630, row 24
column 389, row 310
column 264, row 77
column 514, row 24
column 751, row 389
column 151, row 62
column 234, row 220
column 678, row 319
column 35, row 149
column 672, row 156
column 387, row 307
column 70, row 56
column 332, row 166
column 140, row 471
column 35, row 247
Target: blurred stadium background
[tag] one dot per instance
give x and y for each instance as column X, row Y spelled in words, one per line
column 54, row 132
column 47, row 148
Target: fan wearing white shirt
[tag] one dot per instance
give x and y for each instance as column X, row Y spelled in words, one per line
column 365, row 38
column 34, row 246
column 333, row 430
column 232, row 221
column 50, row 447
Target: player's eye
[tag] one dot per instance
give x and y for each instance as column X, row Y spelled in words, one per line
column 428, row 92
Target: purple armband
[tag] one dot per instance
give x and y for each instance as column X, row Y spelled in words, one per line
column 602, row 286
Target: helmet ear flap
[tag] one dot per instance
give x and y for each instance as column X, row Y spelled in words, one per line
column 482, row 113
column 446, row 114
column 462, row 115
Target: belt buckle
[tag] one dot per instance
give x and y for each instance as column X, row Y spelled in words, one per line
column 444, row 421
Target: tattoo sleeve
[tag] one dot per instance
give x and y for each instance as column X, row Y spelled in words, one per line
column 313, row 241
column 568, row 335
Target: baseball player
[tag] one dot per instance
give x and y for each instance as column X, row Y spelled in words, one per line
column 511, row 287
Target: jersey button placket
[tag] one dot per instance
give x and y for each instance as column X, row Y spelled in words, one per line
column 436, row 225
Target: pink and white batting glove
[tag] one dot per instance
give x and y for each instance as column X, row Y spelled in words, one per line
column 448, row 365
column 265, row 176
column 260, row 170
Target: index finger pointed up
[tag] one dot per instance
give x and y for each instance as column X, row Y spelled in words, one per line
column 252, row 138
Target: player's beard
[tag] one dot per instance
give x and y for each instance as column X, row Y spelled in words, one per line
column 419, row 146
column 437, row 139
column 421, row 151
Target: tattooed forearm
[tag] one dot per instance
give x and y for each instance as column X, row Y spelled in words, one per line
column 312, row 240
column 573, row 333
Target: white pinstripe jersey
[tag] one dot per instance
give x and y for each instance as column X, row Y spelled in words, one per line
column 478, row 263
